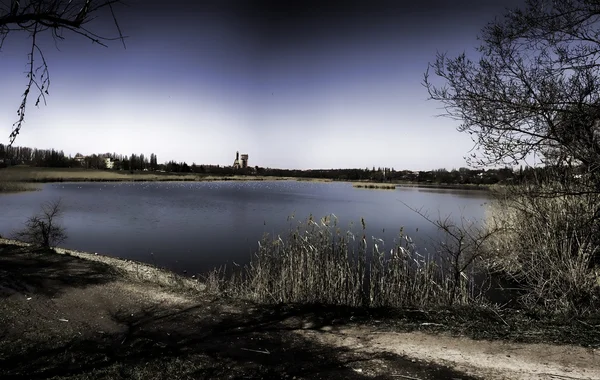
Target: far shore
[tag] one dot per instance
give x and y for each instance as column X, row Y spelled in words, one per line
column 25, row 178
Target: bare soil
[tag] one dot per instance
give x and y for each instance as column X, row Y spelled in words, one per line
column 63, row 316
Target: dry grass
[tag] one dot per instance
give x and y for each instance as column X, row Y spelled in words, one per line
column 465, row 186
column 318, row 263
column 374, row 185
column 43, row 175
column 15, row 187
column 550, row 247
column 303, row 179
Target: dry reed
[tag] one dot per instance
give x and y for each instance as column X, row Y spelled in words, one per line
column 318, row 263
column 369, row 185
column 550, row 248
column 14, row 187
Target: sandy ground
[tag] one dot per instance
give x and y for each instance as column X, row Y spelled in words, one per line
column 485, row 359
column 62, row 316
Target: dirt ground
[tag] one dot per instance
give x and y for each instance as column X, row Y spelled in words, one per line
column 62, row 316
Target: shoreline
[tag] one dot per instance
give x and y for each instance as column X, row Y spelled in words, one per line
column 129, row 268
column 77, row 312
column 31, row 179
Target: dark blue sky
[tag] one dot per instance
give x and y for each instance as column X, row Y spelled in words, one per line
column 298, row 84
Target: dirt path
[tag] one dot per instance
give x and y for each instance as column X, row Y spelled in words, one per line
column 486, row 359
column 66, row 317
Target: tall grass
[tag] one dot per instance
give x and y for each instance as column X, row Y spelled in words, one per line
column 549, row 247
column 14, row 187
column 319, row 263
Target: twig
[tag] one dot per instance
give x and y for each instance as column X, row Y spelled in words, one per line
column 561, row 376
column 502, row 319
column 266, row 352
column 406, row 377
column 587, row 324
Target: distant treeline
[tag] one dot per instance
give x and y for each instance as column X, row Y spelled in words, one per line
column 134, row 162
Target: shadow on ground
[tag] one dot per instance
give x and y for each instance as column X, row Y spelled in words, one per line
column 38, row 271
column 209, row 342
column 212, row 338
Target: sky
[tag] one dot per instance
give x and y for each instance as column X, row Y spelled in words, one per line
column 294, row 84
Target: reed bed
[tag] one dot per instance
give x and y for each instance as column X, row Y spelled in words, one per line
column 15, row 187
column 370, row 185
column 449, row 186
column 318, row 263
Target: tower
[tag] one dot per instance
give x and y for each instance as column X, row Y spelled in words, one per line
column 236, row 163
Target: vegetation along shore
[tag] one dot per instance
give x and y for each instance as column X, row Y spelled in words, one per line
column 90, row 316
column 25, row 178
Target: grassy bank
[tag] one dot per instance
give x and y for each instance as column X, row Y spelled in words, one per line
column 46, row 175
column 15, row 187
column 29, row 174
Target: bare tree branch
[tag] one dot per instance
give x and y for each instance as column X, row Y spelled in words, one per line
column 536, row 87
column 40, row 16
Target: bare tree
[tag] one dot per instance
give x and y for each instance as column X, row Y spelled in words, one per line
column 37, row 17
column 535, row 88
column 460, row 252
column 42, row 229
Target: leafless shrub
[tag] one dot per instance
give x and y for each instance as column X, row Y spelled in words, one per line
column 42, row 229
column 461, row 254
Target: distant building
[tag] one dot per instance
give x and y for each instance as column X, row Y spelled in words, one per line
column 243, row 163
column 109, row 163
column 236, row 162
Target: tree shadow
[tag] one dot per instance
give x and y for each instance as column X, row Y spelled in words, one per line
column 37, row 271
column 212, row 341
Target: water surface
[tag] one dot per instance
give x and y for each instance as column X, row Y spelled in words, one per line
column 195, row 226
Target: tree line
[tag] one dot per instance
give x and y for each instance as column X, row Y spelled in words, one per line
column 14, row 155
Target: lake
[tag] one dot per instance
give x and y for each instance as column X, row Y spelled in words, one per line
column 195, row 226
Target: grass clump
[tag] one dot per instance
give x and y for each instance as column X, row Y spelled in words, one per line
column 373, row 185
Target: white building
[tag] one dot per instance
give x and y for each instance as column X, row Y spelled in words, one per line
column 109, row 163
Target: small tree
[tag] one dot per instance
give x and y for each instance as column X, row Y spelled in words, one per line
column 41, row 229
